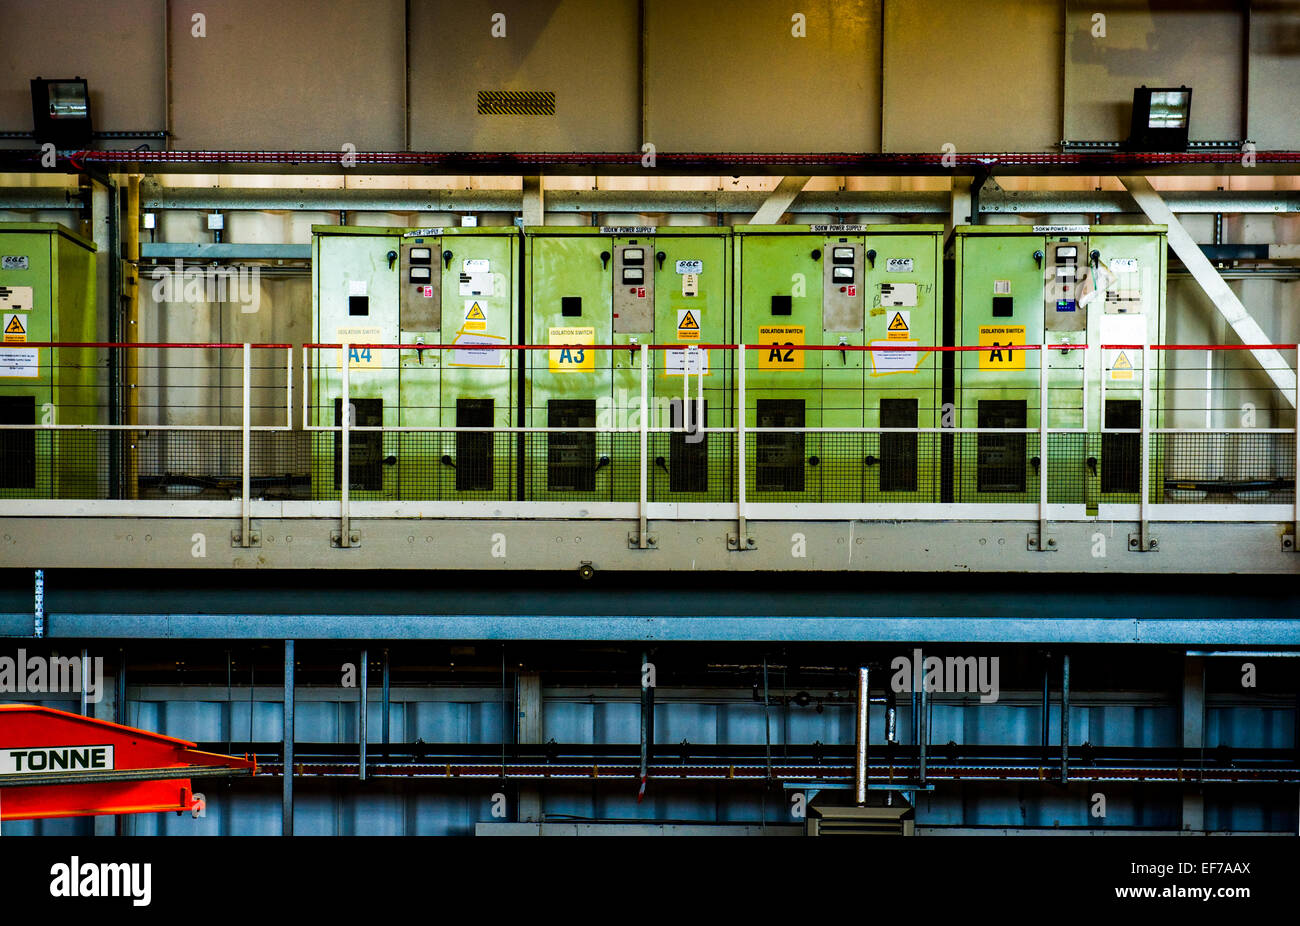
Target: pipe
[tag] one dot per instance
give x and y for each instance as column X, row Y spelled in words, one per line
column 1065, row 718
column 1047, row 703
column 387, row 697
column 286, row 809
column 362, row 719
column 647, row 723
column 864, row 734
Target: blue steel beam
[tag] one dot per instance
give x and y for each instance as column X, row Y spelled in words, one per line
column 1246, row 632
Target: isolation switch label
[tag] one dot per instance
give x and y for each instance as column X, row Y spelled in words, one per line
column 780, row 342
column 574, row 357
column 994, row 341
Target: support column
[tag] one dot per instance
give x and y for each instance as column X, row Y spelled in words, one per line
column 530, row 732
column 779, row 200
column 534, row 208
column 286, row 817
column 105, row 708
column 1193, row 736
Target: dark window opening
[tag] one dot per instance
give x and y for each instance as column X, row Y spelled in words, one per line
column 571, row 457
column 1002, row 306
column 779, row 465
column 782, row 305
column 365, row 457
column 474, row 451
column 358, row 305
column 17, row 448
column 898, row 451
column 1121, row 454
column 688, row 454
column 571, row 305
column 1000, row 458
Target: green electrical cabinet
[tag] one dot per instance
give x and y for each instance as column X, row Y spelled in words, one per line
column 628, row 285
column 47, row 293
column 1061, row 285
column 427, row 286
column 841, row 286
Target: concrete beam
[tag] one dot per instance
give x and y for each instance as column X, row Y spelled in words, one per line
column 534, row 201
column 779, row 201
column 1216, row 288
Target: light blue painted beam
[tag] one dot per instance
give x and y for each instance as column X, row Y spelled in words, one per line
column 226, row 250
column 1248, row 633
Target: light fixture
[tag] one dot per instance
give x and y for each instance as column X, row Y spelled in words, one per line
column 61, row 113
column 1161, row 118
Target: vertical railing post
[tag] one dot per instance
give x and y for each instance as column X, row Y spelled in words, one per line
column 345, row 463
column 246, row 481
column 1144, row 539
column 740, row 447
column 1043, row 403
column 643, row 541
column 288, row 380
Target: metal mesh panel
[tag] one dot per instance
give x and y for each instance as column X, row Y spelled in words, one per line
column 1223, row 468
column 687, row 470
column 994, row 468
column 582, row 466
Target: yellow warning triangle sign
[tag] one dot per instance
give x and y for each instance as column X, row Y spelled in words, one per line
column 1122, row 362
column 896, row 323
column 15, row 326
column 688, row 322
column 475, row 313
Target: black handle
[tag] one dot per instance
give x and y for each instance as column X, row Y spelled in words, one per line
column 390, row 461
column 446, row 259
column 603, row 461
column 816, row 254
column 1034, row 461
column 1038, row 259
column 392, row 259
column 870, row 460
column 1092, row 465
column 448, row 461
column 871, row 257
column 662, row 463
column 604, row 260
column 1094, row 256
column 661, row 257
column 814, row 460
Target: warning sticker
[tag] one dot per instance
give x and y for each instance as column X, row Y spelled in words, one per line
column 15, row 328
column 1121, row 367
column 688, row 360
column 476, row 356
column 23, row 362
column 688, row 325
column 781, row 354
column 15, row 298
column 996, row 338
column 359, row 358
column 475, row 319
column 899, row 324
column 574, row 359
column 884, row 362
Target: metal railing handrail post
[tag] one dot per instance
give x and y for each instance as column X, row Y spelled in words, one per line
column 246, row 480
